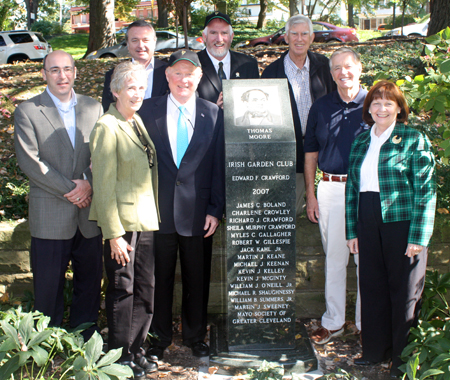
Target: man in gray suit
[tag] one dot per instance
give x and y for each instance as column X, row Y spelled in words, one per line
column 52, row 147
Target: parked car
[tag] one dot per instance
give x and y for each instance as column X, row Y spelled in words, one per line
column 22, row 45
column 323, row 32
column 411, row 30
column 164, row 40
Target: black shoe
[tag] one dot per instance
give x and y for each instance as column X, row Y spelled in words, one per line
column 138, row 372
column 155, row 353
column 362, row 361
column 147, row 366
column 199, row 349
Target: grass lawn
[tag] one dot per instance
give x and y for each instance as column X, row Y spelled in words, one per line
column 75, row 44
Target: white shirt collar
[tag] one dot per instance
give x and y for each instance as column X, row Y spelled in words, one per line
column 150, row 66
column 385, row 135
column 189, row 105
column 292, row 63
column 64, row 107
column 226, row 61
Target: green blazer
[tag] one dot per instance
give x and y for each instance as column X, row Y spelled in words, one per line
column 407, row 182
column 125, row 189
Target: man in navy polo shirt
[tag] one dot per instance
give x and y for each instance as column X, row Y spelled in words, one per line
column 333, row 123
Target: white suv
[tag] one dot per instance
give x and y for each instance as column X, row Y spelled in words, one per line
column 21, row 45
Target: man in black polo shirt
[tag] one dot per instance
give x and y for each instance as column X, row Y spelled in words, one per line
column 333, row 123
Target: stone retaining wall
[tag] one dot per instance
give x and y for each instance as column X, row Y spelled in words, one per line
column 15, row 275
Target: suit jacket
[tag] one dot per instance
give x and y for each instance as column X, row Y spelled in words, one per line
column 197, row 188
column 407, row 182
column 125, row 188
column 321, row 83
column 160, row 86
column 47, row 157
column 242, row 67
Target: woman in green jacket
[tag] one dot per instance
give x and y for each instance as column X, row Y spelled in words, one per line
column 390, row 208
column 124, row 204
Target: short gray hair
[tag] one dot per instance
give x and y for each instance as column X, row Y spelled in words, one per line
column 342, row 50
column 299, row 19
column 124, row 72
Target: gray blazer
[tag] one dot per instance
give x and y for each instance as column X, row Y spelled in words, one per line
column 46, row 156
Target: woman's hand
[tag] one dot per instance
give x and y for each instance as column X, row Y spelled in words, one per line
column 413, row 249
column 119, row 250
column 352, row 244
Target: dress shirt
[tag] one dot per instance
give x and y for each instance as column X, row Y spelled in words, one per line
column 173, row 113
column 149, row 71
column 67, row 113
column 226, row 63
column 369, row 167
column 332, row 126
column 299, row 80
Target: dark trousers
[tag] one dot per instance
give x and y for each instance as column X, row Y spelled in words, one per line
column 49, row 262
column 391, row 283
column 192, row 261
column 207, row 258
column 129, row 296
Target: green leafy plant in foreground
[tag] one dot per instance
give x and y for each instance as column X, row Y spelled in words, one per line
column 267, row 371
column 28, row 346
column 428, row 353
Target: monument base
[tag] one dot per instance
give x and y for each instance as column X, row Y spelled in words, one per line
column 300, row 359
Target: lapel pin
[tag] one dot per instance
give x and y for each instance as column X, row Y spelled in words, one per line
column 237, row 75
column 202, row 115
column 396, row 139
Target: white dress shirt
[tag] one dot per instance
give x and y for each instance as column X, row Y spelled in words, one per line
column 67, row 113
column 173, row 113
column 226, row 63
column 369, row 167
column 149, row 70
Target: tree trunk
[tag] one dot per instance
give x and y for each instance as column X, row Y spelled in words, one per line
column 293, row 10
column 351, row 20
column 102, row 29
column 185, row 24
column 32, row 9
column 262, row 14
column 163, row 18
column 440, row 16
column 393, row 17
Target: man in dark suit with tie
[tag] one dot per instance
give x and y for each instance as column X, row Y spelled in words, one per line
column 218, row 62
column 141, row 42
column 52, row 147
column 188, row 135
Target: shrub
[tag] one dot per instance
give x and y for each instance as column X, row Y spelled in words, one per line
column 28, row 346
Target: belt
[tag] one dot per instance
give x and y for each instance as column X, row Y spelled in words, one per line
column 334, row 177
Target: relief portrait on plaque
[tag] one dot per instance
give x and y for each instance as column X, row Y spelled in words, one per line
column 257, row 106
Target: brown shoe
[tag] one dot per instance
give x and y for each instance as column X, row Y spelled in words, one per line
column 323, row 335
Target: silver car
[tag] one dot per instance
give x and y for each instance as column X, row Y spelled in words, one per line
column 21, row 45
column 164, row 40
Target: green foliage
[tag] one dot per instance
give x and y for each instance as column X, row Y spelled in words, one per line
column 28, row 346
column 430, row 92
column 47, row 28
column 340, row 374
column 428, row 353
column 74, row 44
column 267, row 371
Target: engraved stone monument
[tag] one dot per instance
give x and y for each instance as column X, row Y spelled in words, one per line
column 260, row 219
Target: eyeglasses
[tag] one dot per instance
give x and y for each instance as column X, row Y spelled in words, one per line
column 68, row 70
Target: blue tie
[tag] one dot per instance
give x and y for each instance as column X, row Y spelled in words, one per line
column 182, row 136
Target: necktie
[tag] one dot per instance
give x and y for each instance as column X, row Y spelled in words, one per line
column 221, row 73
column 182, row 136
